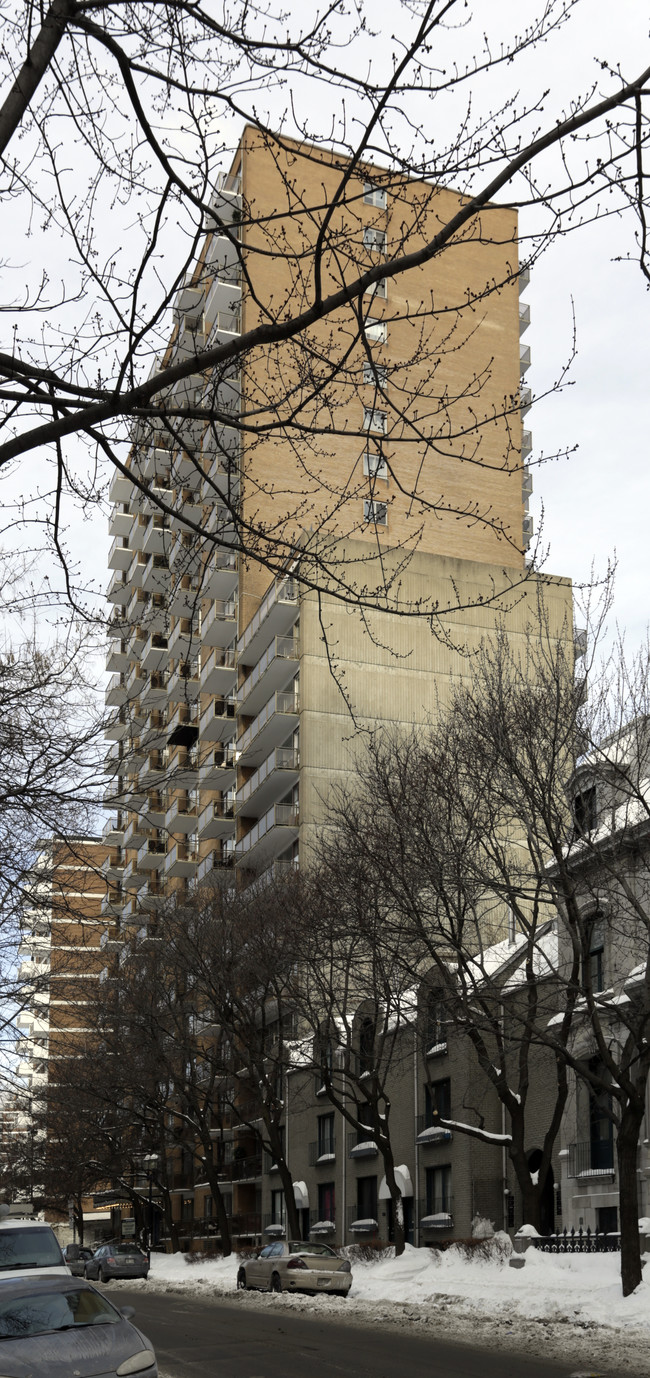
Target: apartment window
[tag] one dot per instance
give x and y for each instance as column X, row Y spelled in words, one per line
column 375, row 374
column 374, row 420
column 207, row 1207
column 326, row 1201
column 366, row 1046
column 366, row 1198
column 584, row 811
column 376, row 330
column 187, row 1209
column 374, row 466
column 375, row 240
column 325, row 1134
column 377, row 289
column 376, row 512
column 436, row 1022
column 437, row 1102
column 374, row 196
column 277, row 1208
column 593, row 970
column 438, row 1187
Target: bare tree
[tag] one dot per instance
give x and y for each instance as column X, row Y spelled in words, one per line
column 113, row 122
column 471, row 828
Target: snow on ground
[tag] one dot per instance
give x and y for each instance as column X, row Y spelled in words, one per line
column 568, row 1306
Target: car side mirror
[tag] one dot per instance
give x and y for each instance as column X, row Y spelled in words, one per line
column 128, row 1312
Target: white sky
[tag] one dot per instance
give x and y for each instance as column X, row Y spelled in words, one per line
column 595, row 502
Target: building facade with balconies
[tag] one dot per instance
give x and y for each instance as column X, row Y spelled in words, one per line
column 237, row 695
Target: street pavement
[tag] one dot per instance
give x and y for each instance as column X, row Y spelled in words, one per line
column 194, row 1338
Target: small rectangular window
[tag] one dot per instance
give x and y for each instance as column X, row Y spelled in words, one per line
column 366, row 1198
column 374, row 466
column 376, row 329
column 326, row 1201
column 374, row 196
column 376, row 512
column 374, row 420
column 375, row 374
column 584, row 811
column 375, row 240
column 437, row 1102
column 438, row 1188
column 277, row 1208
column 325, row 1134
column 377, row 289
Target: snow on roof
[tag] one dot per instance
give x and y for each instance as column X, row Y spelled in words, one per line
column 300, row 1051
column 545, row 959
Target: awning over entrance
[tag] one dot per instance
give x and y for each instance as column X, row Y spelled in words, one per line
column 301, row 1195
column 403, row 1179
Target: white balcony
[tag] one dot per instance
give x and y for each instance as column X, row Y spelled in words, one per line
column 135, row 832
column 217, row 720
column 154, row 691
column 273, row 779
column 524, row 317
column 218, row 671
column 154, row 737
column 155, row 462
column 113, row 832
column 157, row 536
column 133, row 878
column 157, row 577
column 275, row 669
column 185, row 598
column 184, row 685
column 184, row 769
column 182, row 817
column 117, row 658
column 152, row 854
column 120, row 522
column 117, row 727
column 274, row 617
column 183, row 638
column 155, row 655
column 137, row 569
column 120, row 555
column 279, row 717
column 218, row 769
column 524, row 360
column 183, row 725
column 116, row 694
column 525, row 400
column 120, row 488
column 219, row 577
column 216, row 862
column 112, row 903
column 217, row 819
column 276, row 830
column 113, row 868
column 182, row 860
column 186, row 555
column 153, row 770
column 219, row 626
column 119, row 590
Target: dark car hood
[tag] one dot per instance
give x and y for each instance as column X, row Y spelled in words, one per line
column 84, row 1353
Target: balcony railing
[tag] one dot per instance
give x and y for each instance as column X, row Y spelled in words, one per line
column 278, row 816
column 322, row 1151
column 595, row 1158
column 285, row 701
column 281, row 591
column 244, row 1168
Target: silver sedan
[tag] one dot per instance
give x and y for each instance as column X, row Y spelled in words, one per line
column 288, row 1266
column 52, row 1327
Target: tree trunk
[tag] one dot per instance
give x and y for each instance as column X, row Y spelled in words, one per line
column 626, row 1152
column 396, row 1199
column 78, row 1215
column 223, row 1223
column 530, row 1191
column 293, row 1224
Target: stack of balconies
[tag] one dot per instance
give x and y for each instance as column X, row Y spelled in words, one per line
column 525, row 400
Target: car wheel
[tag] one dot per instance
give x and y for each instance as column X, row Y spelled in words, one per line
column 103, row 1277
column 276, row 1285
column 241, row 1280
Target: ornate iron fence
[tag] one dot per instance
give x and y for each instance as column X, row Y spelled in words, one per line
column 578, row 1242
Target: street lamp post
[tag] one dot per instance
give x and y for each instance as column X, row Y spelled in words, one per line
column 150, row 1163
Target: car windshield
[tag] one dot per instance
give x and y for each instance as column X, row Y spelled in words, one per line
column 29, row 1248
column 35, row 1315
column 126, row 1249
column 311, row 1249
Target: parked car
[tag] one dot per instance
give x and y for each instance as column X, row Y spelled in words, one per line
column 75, row 1256
column 289, row 1266
column 53, row 1327
column 29, row 1248
column 117, row 1261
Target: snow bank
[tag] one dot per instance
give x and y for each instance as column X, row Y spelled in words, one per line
column 575, row 1299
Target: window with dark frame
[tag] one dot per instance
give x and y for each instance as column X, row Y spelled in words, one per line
column 325, row 1134
column 438, row 1190
column 593, row 963
column 437, row 1102
column 326, row 1201
column 366, row 1198
column 278, row 1204
column 584, row 811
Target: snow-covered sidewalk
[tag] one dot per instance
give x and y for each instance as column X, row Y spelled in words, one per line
column 565, row 1306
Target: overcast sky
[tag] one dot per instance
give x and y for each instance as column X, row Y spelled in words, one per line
column 595, row 501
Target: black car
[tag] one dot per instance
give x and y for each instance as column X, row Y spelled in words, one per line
column 76, row 1256
column 123, row 1260
column 52, row 1327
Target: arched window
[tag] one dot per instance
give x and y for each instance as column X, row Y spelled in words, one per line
column 436, row 1019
